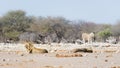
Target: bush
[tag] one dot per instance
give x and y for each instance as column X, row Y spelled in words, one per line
column 104, row 34
column 13, row 35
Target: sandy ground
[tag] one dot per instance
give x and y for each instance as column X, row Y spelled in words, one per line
column 88, row 60
column 16, row 59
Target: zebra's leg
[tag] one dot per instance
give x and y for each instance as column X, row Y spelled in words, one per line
column 84, row 41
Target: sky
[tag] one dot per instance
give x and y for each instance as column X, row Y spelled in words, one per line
column 98, row 11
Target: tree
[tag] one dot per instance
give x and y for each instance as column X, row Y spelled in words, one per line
column 17, row 20
column 116, row 29
column 14, row 23
column 50, row 25
column 104, row 34
column 87, row 26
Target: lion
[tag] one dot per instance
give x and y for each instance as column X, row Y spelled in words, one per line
column 88, row 37
column 69, row 55
column 31, row 49
column 86, row 50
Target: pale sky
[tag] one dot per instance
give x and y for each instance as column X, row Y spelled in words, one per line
column 98, row 11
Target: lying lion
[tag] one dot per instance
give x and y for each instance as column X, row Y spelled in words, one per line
column 31, row 49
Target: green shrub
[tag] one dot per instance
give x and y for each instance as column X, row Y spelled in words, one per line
column 13, row 34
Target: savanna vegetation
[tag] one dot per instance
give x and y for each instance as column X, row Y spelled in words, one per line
column 55, row 29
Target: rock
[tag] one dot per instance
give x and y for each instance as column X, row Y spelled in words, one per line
column 95, row 67
column 3, row 59
column 106, row 60
column 96, row 56
column 21, row 54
